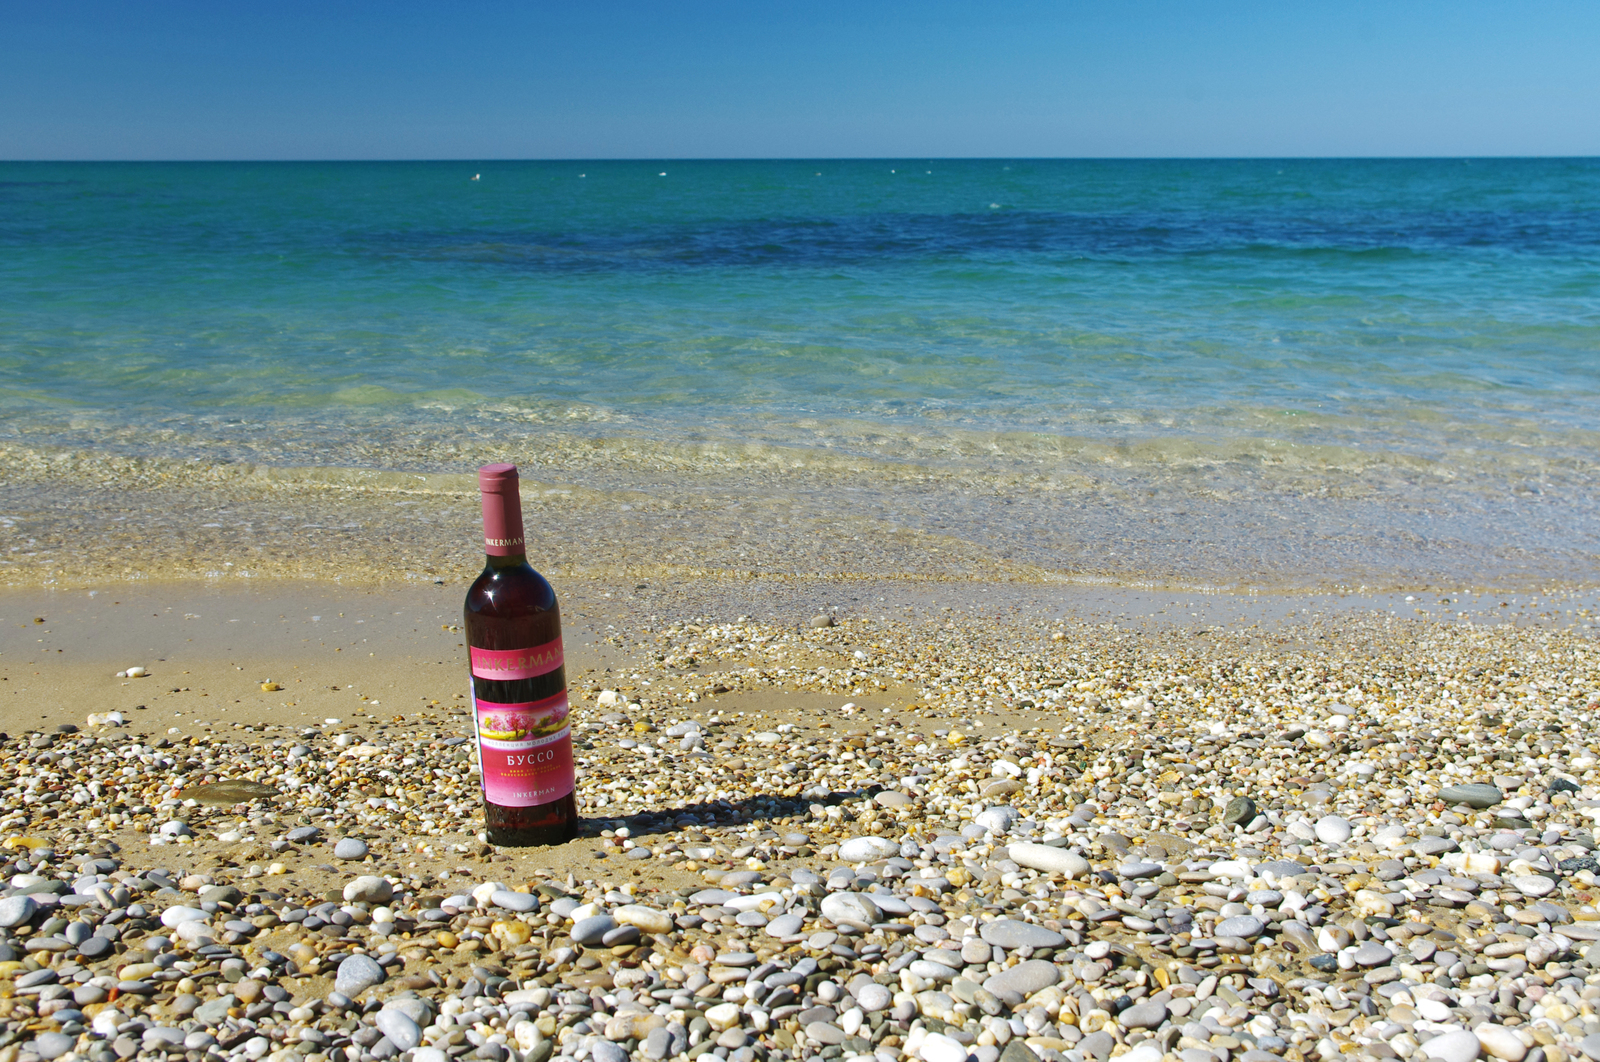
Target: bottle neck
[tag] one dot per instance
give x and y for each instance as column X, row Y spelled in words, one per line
column 502, row 526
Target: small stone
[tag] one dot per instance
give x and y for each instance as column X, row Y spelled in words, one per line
column 510, row 900
column 606, row 1051
column 1023, row 979
column 1239, row 812
column 1371, row 953
column 647, row 919
column 1474, row 795
column 1017, row 1051
column 867, row 849
column 822, row 620
column 1501, row 1042
column 1247, row 927
column 874, row 997
column 786, row 925
column 369, row 888
column 937, row 1047
column 51, row 1045
column 401, row 1030
column 1534, row 885
column 998, row 819
column 1333, row 829
column 657, row 1043
column 1008, row 933
column 1452, row 1047
column 1590, row 1045
column 350, row 848
column 176, row 916
column 1049, row 860
column 592, row 930
column 357, row 974
column 302, row 835
column 1146, row 1014
column 850, row 909
column 15, row 910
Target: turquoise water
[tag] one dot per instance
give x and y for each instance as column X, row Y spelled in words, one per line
column 1391, row 350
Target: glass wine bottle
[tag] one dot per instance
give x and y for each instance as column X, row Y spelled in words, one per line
column 519, row 684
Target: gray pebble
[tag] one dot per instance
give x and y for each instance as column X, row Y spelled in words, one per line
column 15, row 910
column 1023, row 979
column 1371, row 953
column 400, row 1029
column 591, row 930
column 357, row 974
column 1246, row 926
column 1009, row 933
column 350, row 848
column 1474, row 795
column 52, row 1045
column 508, row 900
column 1146, row 1014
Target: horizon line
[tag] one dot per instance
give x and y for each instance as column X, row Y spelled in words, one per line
column 814, row 158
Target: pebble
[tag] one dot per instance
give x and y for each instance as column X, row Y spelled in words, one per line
column 1371, row 953
column 51, row 1045
column 1460, row 1046
column 1248, row 927
column 1333, row 829
column 1008, row 933
column 867, row 849
column 1049, row 860
column 510, row 900
column 592, row 929
column 1475, row 795
column 357, row 974
column 400, row 1029
column 1147, row 1014
column 1023, row 979
column 350, row 848
column 15, row 910
column 850, row 908
column 936, row 1047
column 369, row 888
column 1500, row 1042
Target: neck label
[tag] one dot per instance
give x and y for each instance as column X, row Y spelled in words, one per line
column 508, row 665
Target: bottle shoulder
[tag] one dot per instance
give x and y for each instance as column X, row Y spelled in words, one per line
column 516, row 590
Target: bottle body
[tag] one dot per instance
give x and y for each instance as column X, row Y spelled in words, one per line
column 519, row 688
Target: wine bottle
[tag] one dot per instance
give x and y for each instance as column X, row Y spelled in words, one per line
column 519, row 683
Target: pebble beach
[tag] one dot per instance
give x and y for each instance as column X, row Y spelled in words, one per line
column 841, row 836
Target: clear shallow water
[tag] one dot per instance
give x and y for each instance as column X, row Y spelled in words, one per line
column 1253, row 372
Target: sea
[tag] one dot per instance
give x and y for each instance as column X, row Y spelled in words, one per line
column 1241, row 374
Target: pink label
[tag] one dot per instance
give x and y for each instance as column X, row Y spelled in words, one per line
column 507, row 664
column 525, row 751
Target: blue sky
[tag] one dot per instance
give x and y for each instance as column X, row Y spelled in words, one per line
column 113, row 79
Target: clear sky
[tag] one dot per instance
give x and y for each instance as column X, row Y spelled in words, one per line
column 233, row 79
